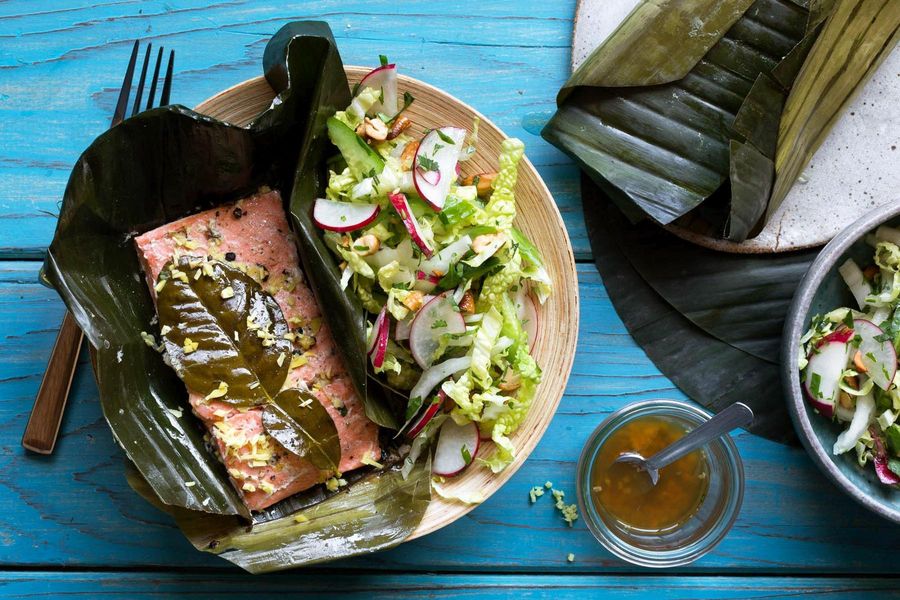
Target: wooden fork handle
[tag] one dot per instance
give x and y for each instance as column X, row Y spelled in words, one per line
column 46, row 415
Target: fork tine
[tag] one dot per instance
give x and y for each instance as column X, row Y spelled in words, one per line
column 155, row 78
column 167, row 83
column 140, row 91
column 125, row 92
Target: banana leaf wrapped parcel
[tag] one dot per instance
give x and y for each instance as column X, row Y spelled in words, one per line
column 207, row 204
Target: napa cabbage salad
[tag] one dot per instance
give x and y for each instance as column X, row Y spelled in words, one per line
column 451, row 286
column 849, row 360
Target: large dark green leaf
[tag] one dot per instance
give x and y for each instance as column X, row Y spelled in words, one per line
column 346, row 317
column 150, row 170
column 299, row 422
column 228, row 347
column 710, row 371
column 662, row 150
column 658, row 42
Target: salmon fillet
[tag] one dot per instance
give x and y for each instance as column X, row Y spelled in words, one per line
column 253, row 235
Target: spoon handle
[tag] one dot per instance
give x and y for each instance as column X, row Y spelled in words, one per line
column 736, row 415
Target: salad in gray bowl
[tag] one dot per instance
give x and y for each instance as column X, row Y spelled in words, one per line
column 839, row 360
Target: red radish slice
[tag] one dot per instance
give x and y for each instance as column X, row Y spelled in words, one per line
column 438, row 373
column 401, row 205
column 528, row 314
column 822, row 375
column 457, row 446
column 385, row 79
column 380, row 331
column 438, row 152
column 401, row 331
column 842, row 334
column 419, row 424
column 429, row 177
column 885, row 475
column 439, row 316
column 440, row 263
column 879, row 358
column 343, row 216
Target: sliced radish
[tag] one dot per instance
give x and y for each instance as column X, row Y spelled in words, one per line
column 401, row 205
column 438, row 152
column 401, row 330
column 842, row 334
column 457, row 446
column 528, row 314
column 380, row 331
column 823, row 373
column 425, row 282
column 438, row 317
column 419, row 423
column 385, row 79
column 343, row 216
column 885, row 475
column 438, row 373
column 440, row 263
column 879, row 358
column 429, row 177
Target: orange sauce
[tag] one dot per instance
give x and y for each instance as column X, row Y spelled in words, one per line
column 627, row 494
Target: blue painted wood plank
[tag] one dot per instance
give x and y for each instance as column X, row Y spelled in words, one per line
column 74, row 508
column 27, row 586
column 61, row 67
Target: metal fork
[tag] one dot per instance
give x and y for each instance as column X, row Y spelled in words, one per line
column 46, row 415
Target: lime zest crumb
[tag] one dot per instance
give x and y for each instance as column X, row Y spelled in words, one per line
column 218, row 392
column 535, row 493
column 301, row 519
column 190, row 483
column 571, row 557
column 548, row 484
column 227, row 293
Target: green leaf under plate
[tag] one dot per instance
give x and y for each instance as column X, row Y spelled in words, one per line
column 299, row 422
column 708, row 370
column 224, row 327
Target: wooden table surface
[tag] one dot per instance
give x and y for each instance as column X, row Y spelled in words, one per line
column 69, row 524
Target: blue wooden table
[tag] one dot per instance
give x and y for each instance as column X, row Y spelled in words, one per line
column 69, row 524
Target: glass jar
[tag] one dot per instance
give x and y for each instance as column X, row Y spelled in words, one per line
column 698, row 534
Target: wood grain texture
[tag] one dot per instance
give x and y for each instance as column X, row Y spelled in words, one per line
column 50, row 402
column 113, row 586
column 75, row 509
column 61, row 68
column 537, row 218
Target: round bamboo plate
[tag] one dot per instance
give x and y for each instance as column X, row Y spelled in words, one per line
column 538, row 218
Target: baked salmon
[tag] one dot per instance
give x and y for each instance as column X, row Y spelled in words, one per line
column 253, row 235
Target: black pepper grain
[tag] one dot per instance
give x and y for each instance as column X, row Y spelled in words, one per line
column 238, row 212
column 230, row 256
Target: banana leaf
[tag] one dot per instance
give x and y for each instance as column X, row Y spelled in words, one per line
column 710, row 371
column 856, row 38
column 165, row 164
column 660, row 147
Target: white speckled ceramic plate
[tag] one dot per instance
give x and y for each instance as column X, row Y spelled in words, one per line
column 856, row 169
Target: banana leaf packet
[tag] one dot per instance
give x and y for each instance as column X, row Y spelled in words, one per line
column 170, row 162
column 704, row 112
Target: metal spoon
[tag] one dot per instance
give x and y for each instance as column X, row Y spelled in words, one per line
column 736, row 415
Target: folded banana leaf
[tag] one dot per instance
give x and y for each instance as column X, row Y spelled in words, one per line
column 857, row 37
column 681, row 105
column 711, row 372
column 165, row 164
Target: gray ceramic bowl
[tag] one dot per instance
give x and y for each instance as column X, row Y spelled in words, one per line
column 820, row 291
